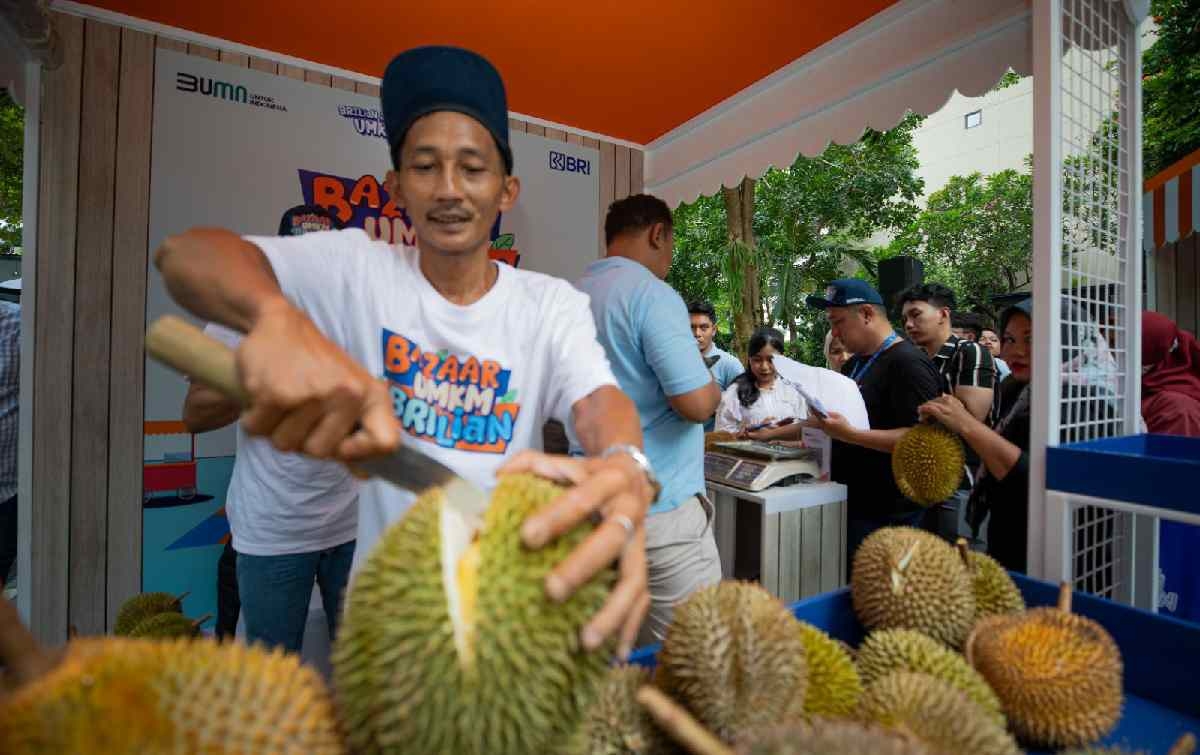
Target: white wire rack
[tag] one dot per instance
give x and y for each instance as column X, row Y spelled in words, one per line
column 1087, row 276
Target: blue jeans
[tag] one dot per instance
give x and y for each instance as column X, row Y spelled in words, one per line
column 276, row 590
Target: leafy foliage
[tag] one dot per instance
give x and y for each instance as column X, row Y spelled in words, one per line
column 12, row 139
column 1171, row 85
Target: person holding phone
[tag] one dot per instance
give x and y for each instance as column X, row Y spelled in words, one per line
column 759, row 404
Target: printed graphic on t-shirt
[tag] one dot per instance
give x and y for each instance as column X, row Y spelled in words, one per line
column 453, row 400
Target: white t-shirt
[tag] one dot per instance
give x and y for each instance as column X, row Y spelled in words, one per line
column 281, row 503
column 472, row 385
column 836, row 392
column 778, row 402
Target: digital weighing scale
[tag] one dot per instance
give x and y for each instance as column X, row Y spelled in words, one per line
column 755, row 465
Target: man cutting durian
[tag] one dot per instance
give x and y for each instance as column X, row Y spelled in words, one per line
column 434, row 345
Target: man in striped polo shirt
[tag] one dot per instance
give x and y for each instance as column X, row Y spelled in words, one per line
column 968, row 373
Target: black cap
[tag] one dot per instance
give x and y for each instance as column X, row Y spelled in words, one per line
column 306, row 218
column 427, row 80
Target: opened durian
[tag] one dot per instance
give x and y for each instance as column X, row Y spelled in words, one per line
column 734, row 656
column 936, row 712
column 995, row 591
column 906, row 578
column 145, row 606
column 927, row 464
column 889, row 650
column 1058, row 675
column 832, row 737
column 117, row 695
column 615, row 724
column 833, row 682
column 449, row 642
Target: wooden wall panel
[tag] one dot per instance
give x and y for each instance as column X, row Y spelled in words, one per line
column 557, row 135
column 371, row 90
column 53, row 334
column 131, row 225
column 515, row 125
column 346, row 85
column 535, row 129
column 93, row 311
column 621, row 172
column 264, row 65
column 170, row 44
column 637, row 181
column 203, row 51
column 1187, row 276
column 291, row 72
column 234, row 58
column 608, row 164
column 1164, row 269
column 318, row 78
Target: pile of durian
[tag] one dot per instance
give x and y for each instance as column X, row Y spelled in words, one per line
column 448, row 644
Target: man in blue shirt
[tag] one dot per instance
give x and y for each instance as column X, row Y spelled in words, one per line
column 724, row 366
column 643, row 325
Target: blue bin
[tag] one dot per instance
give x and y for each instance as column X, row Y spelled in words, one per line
column 1161, row 658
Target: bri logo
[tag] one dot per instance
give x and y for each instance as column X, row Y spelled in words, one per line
column 569, row 164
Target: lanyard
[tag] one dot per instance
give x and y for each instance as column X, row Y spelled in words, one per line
column 861, row 370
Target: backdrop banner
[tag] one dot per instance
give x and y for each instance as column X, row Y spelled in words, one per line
column 237, row 148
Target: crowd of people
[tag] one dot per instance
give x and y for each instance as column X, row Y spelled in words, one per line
column 616, row 359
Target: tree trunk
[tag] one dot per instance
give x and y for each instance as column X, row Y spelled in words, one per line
column 747, row 303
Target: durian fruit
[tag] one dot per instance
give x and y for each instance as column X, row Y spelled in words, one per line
column 147, row 605
column 166, row 625
column 832, row 737
column 935, row 711
column 833, row 682
column 118, row 695
column 890, row 650
column 928, row 463
column 449, row 642
column 615, row 724
column 995, row 591
column 734, row 656
column 1058, row 675
column 906, row 578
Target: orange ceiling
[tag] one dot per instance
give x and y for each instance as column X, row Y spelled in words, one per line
column 632, row 70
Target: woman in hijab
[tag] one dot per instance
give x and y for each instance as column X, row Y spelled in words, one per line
column 1171, row 406
column 1170, row 377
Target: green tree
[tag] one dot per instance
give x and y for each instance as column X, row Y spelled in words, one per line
column 810, row 224
column 975, row 237
column 12, row 139
column 1171, row 85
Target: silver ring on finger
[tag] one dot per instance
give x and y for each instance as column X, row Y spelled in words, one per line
column 626, row 524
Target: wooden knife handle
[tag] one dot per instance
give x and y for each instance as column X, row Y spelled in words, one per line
column 187, row 349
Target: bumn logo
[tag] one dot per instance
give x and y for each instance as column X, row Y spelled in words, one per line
column 569, row 164
column 186, row 82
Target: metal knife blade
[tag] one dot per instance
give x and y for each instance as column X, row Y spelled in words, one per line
column 185, row 348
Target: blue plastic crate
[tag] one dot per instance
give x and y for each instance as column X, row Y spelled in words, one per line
column 1161, row 657
column 1152, row 470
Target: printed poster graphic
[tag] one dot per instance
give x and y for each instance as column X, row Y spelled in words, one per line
column 455, row 401
column 364, row 203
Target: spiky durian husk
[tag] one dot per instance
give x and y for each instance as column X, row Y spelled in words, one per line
column 907, row 578
column 400, row 681
column 937, row 712
column 166, row 625
column 833, row 681
column 995, row 591
column 734, row 656
column 832, row 737
column 116, row 695
column 139, row 608
column 1058, row 675
column 890, row 650
column 615, row 724
column 927, row 464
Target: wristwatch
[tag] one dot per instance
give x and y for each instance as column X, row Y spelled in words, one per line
column 636, row 454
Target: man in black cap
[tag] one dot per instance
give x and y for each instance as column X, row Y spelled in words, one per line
column 474, row 356
column 895, row 378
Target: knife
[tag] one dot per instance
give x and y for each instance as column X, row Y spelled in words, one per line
column 188, row 350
